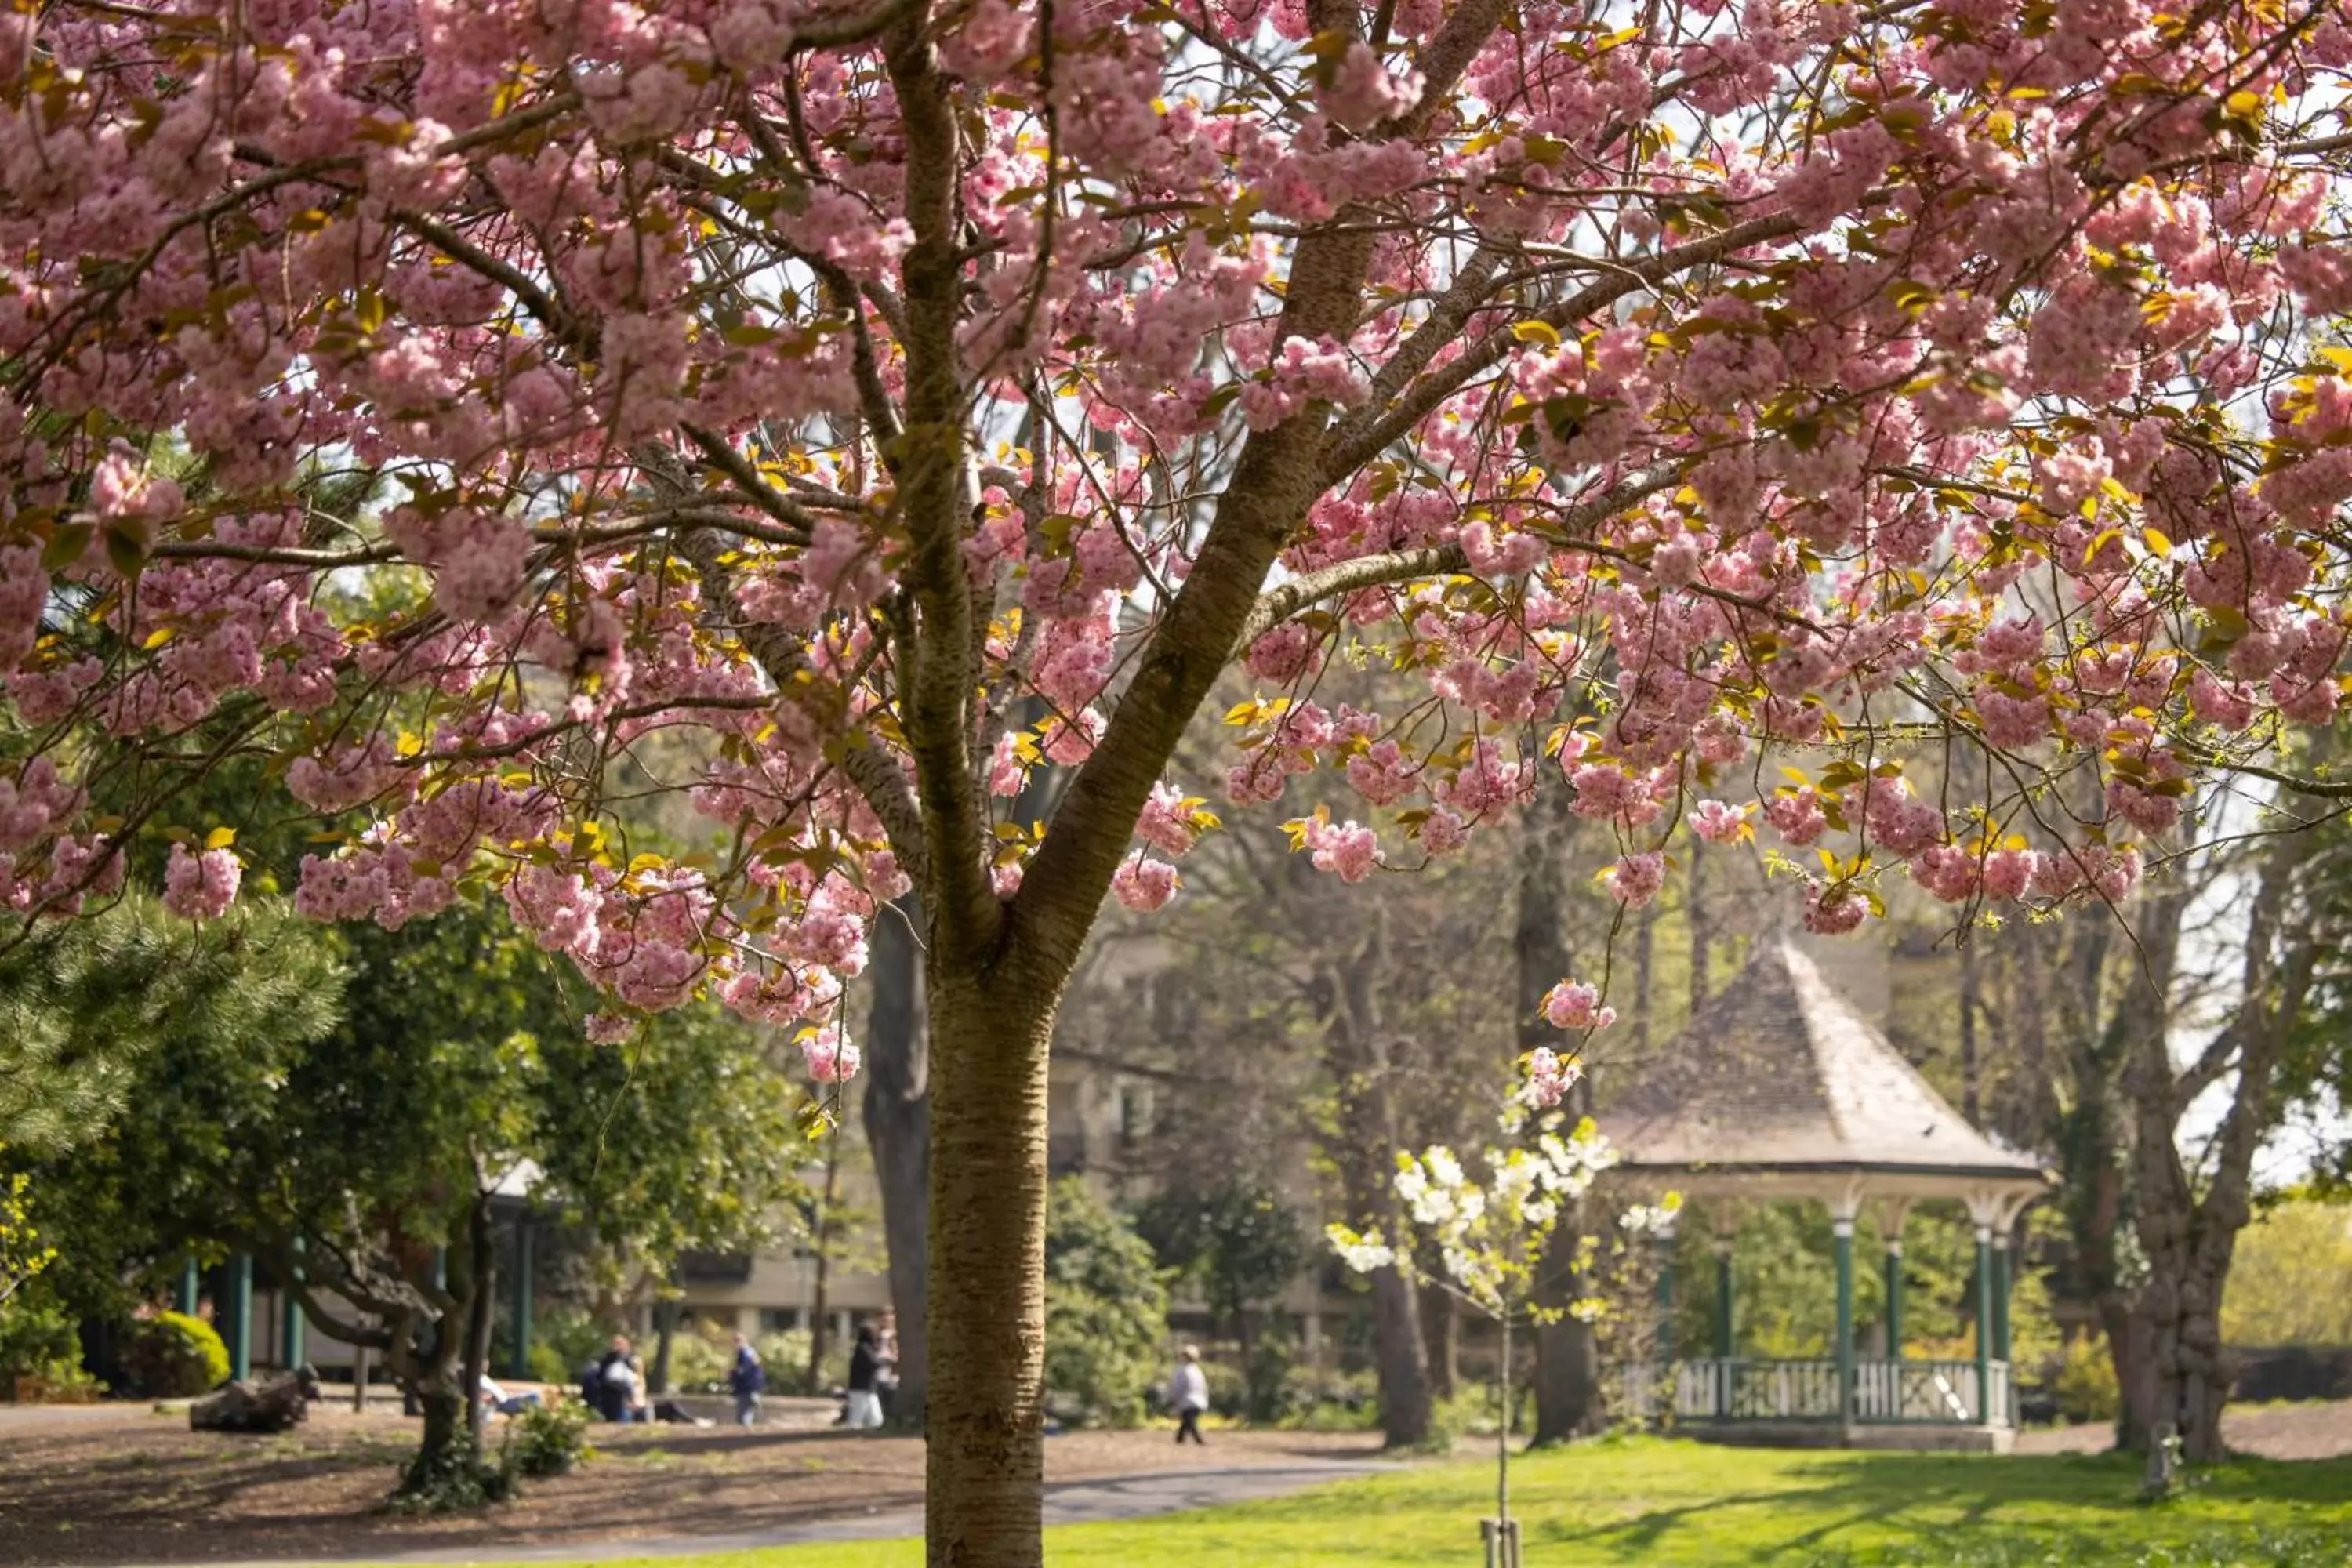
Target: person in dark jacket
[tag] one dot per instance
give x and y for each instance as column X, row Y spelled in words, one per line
column 864, row 1404
column 746, row 1379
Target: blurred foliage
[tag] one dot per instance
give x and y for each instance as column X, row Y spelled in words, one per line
column 2085, row 1386
column 2290, row 1283
column 1105, row 1308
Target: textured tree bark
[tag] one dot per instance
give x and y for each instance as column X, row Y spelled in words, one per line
column 2189, row 1220
column 448, row 1471
column 984, row 1469
column 665, row 1337
column 898, row 1116
column 481, row 1242
column 1567, row 1379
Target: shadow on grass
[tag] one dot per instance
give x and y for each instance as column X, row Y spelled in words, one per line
column 1987, row 1512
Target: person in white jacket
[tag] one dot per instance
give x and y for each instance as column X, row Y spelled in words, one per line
column 1188, row 1396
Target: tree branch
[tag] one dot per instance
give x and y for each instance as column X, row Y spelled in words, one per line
column 1362, row 436
column 1279, row 605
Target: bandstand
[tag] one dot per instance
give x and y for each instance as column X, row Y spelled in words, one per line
column 1779, row 1090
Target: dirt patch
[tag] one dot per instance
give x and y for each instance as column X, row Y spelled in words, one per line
column 119, row 1485
column 2319, row 1430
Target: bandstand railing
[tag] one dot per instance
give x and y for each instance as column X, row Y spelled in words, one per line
column 1930, row 1393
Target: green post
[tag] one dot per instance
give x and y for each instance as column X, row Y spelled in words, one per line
column 192, row 1287
column 2001, row 1271
column 239, row 1315
column 1984, row 1324
column 1894, row 1299
column 521, row 1325
column 289, row 1316
column 1843, row 1232
column 1723, row 1300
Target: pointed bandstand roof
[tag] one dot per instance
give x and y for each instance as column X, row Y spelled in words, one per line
column 1778, row 1075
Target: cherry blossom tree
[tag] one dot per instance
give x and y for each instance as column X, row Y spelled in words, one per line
column 831, row 411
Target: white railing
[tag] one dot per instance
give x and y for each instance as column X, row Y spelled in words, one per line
column 1921, row 1392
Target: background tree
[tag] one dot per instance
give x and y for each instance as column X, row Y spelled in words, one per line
column 1105, row 1308
column 1236, row 1243
column 363, row 1161
column 1790, row 385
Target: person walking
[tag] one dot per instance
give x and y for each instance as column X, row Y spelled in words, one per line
column 746, row 1378
column 1188, row 1396
column 864, row 1404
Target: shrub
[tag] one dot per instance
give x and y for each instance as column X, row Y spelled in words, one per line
column 785, row 1352
column 698, row 1361
column 561, row 1342
column 1268, row 1374
column 2085, row 1386
column 547, row 1365
column 39, row 1343
column 173, row 1356
column 547, row 1439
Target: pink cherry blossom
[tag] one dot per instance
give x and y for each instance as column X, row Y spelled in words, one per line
column 1143, row 884
column 1574, row 1006
column 829, row 1056
column 1635, row 879
column 202, row 886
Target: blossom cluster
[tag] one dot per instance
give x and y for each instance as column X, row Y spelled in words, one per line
column 496, row 414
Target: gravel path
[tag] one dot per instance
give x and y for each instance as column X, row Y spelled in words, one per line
column 2320, row 1429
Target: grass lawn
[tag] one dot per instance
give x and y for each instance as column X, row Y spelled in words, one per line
column 1670, row 1504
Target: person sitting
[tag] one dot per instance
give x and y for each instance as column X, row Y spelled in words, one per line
column 497, row 1399
column 865, row 1408
column 620, row 1386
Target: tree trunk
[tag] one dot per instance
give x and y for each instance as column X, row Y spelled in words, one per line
column 1567, row 1353
column 1644, row 923
column 2191, row 1235
column 445, row 1471
column 1441, row 1325
column 1971, row 1096
column 1401, row 1359
column 482, row 1243
column 1567, row 1366
column 665, row 1336
column 985, row 1461
column 448, row 1471
column 1356, row 1054
column 823, row 1237
column 1702, row 929
column 897, row 1115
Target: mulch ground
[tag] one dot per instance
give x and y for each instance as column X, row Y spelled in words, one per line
column 124, row 1485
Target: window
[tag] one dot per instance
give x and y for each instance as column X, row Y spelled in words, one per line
column 1134, row 1112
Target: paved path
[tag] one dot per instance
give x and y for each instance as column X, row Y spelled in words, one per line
column 1099, row 1500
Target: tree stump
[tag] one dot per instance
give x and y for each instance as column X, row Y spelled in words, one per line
column 271, row 1406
